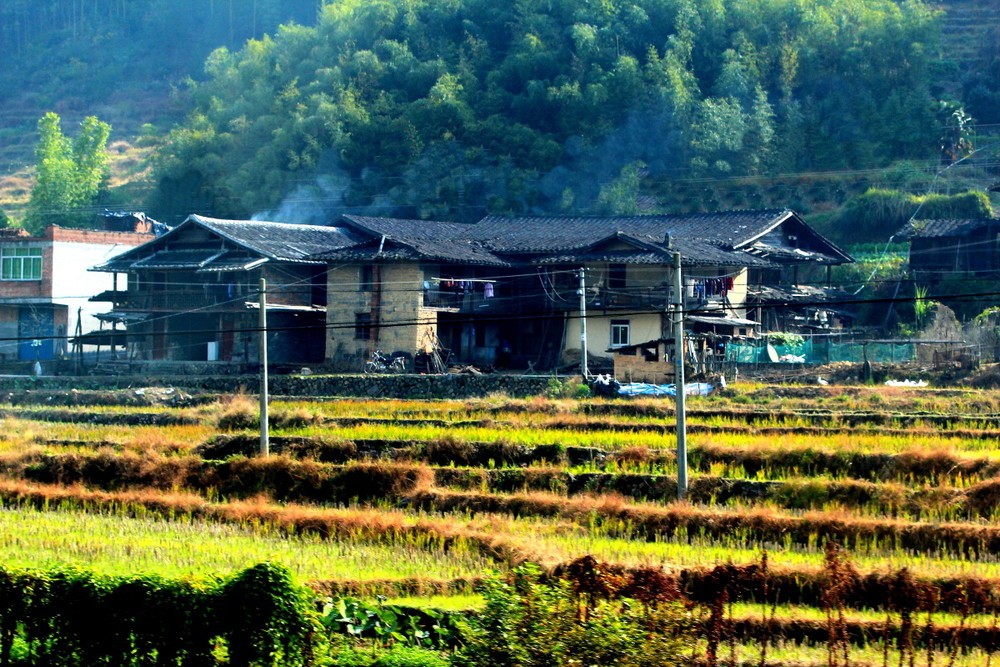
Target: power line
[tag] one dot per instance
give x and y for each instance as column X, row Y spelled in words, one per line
column 569, row 313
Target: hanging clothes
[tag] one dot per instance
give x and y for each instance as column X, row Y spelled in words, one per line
column 488, row 291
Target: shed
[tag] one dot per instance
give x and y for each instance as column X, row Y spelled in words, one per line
column 652, row 361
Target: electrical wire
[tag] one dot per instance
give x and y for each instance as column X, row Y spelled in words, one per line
column 507, row 317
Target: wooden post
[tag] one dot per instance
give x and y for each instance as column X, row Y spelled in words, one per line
column 584, row 371
column 265, row 444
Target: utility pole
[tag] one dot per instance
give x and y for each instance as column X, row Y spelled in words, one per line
column 265, row 445
column 682, row 463
column 584, row 371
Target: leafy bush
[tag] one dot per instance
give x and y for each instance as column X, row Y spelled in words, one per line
column 573, row 387
column 267, row 619
column 878, row 213
column 391, row 624
column 71, row 618
column 531, row 622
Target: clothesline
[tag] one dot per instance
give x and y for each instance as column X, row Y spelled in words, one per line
column 464, row 285
column 724, row 275
column 463, row 280
column 702, row 287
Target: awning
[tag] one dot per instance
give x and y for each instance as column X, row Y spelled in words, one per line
column 283, row 307
column 177, row 259
column 120, row 316
column 232, row 262
column 105, row 337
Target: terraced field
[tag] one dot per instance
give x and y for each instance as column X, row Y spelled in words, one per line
column 822, row 523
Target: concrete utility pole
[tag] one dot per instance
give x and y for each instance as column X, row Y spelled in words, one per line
column 584, row 371
column 682, row 464
column 265, row 445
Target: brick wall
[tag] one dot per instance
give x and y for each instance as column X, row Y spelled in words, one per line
column 637, row 368
column 56, row 233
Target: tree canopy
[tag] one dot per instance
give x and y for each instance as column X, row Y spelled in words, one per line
column 431, row 108
column 70, row 173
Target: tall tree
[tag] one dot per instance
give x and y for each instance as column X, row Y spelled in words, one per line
column 69, row 174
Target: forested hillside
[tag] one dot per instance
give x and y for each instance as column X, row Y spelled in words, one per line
column 427, row 108
column 461, row 107
column 119, row 59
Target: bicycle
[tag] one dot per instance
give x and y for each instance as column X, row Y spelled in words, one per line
column 380, row 363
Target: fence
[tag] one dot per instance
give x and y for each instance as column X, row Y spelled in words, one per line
column 821, row 350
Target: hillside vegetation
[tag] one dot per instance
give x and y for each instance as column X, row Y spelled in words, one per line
column 122, row 61
column 454, row 109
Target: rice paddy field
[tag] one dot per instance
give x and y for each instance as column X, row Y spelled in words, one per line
column 860, row 517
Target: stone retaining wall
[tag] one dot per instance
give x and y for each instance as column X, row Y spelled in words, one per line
column 375, row 386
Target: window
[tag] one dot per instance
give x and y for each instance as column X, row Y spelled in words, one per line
column 365, row 278
column 19, row 263
column 362, row 326
column 619, row 333
column 616, row 276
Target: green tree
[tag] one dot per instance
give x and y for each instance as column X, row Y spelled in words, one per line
column 620, row 196
column 69, row 174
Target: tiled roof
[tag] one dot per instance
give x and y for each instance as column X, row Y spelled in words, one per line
column 278, row 240
column 529, row 234
column 701, row 238
column 723, row 239
column 270, row 240
column 441, row 241
column 929, row 229
column 801, row 294
column 771, row 251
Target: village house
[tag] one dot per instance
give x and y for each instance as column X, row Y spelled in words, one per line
column 46, row 289
column 194, row 292
column 501, row 292
column 943, row 248
column 506, row 291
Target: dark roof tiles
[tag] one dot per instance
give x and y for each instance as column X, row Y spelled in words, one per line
column 715, row 238
column 723, row 239
column 929, row 229
column 278, row 240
